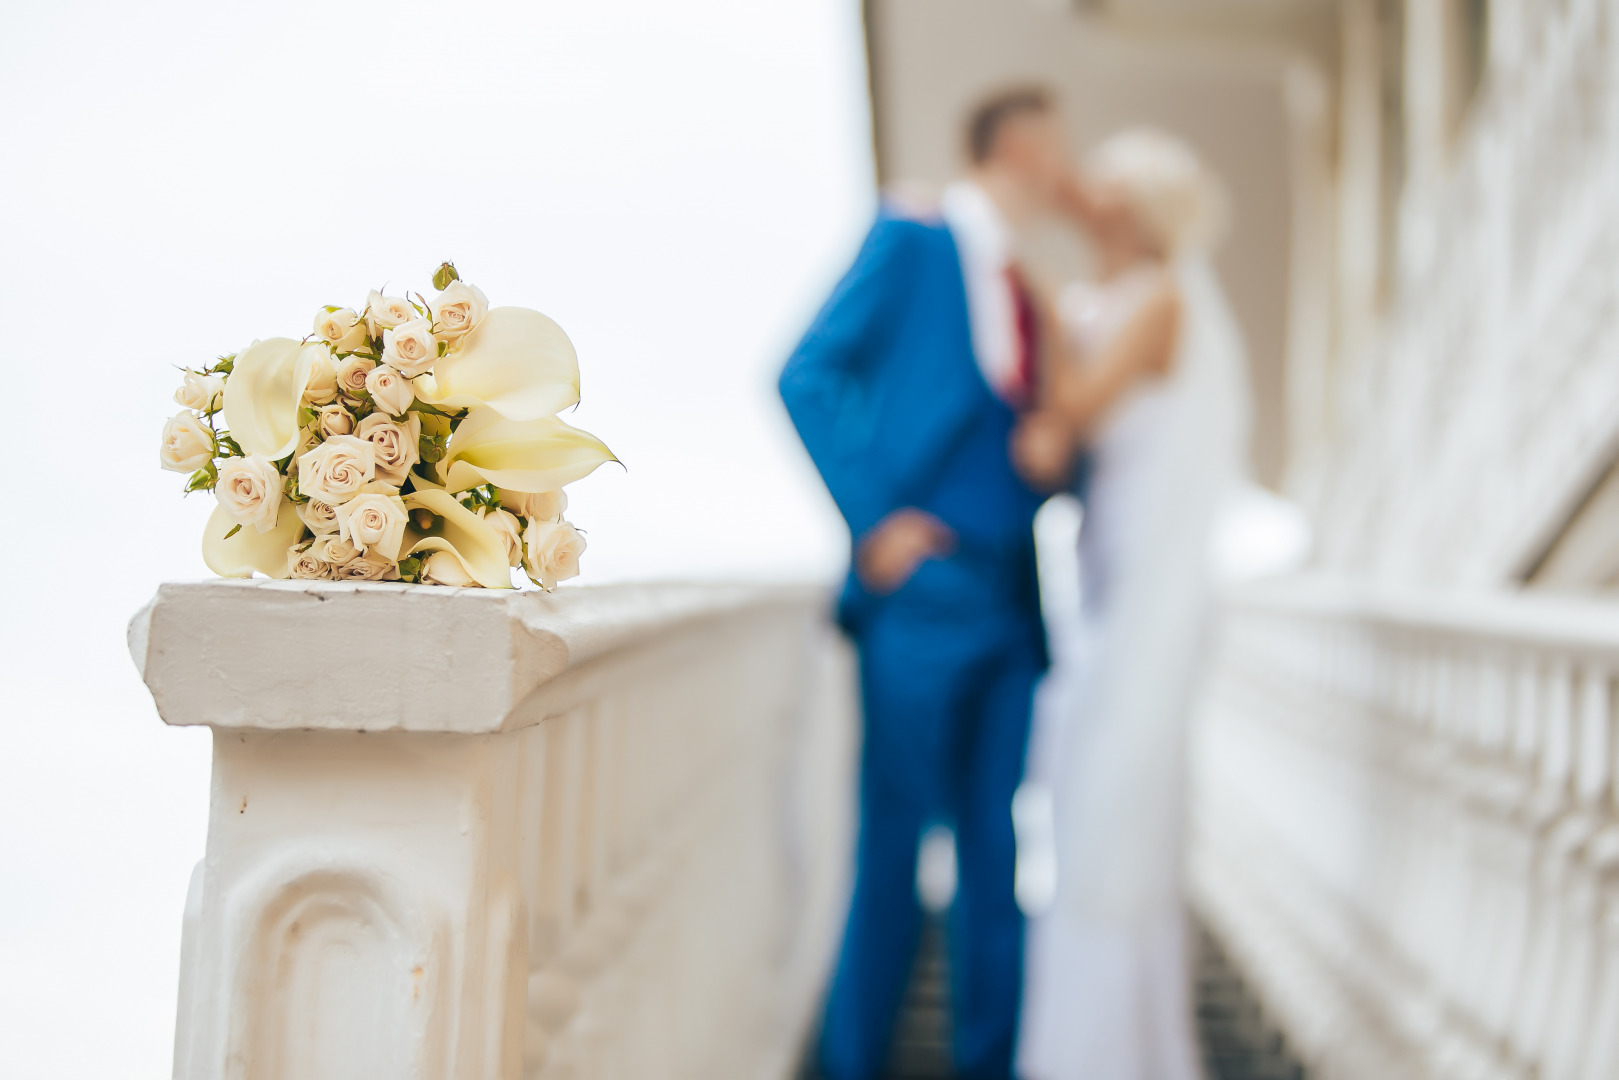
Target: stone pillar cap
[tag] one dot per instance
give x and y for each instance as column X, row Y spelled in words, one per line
column 369, row 656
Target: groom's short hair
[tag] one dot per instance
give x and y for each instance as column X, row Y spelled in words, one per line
column 990, row 115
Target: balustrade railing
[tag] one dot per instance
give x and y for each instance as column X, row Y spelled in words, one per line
column 469, row 833
column 1406, row 828
column 1470, row 431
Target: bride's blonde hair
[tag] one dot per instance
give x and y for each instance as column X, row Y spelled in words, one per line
column 1167, row 187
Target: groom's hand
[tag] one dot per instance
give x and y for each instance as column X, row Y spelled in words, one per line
column 890, row 553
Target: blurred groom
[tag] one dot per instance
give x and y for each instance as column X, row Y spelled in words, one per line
column 905, row 392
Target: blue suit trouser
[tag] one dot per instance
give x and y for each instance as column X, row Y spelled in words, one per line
column 947, row 706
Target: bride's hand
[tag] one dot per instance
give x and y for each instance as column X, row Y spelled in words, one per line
column 1043, row 450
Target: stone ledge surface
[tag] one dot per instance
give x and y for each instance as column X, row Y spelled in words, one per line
column 1526, row 616
column 363, row 656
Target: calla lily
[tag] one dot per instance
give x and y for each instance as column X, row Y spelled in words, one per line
column 523, row 455
column 249, row 549
column 516, row 361
column 262, row 395
column 463, row 534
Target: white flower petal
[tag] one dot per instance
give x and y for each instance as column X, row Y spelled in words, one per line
column 262, row 395
column 516, row 361
column 249, row 549
column 479, row 547
column 523, row 455
column 445, row 568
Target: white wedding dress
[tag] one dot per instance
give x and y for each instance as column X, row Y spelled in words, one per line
column 1107, row 979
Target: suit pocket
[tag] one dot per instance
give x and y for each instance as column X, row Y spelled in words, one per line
column 943, row 583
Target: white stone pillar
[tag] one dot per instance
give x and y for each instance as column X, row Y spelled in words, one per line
column 464, row 833
column 1310, row 279
column 1360, row 182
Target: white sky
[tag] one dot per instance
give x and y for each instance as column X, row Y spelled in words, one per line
column 676, row 183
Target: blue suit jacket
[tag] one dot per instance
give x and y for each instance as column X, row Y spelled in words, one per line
column 890, row 403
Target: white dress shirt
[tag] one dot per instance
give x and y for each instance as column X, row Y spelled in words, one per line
column 985, row 242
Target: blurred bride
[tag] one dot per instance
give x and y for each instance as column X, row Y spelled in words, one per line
column 1107, row 975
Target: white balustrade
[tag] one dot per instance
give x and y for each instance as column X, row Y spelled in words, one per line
column 1406, row 819
column 464, row 833
column 1406, row 828
column 1469, row 425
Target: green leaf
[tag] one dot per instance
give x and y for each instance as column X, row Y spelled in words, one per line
column 306, row 416
column 410, row 569
column 478, row 497
column 234, row 529
column 203, row 479
column 445, row 274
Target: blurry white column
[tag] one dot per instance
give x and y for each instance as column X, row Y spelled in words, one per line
column 1310, row 277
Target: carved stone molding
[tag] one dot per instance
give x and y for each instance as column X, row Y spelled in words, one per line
column 459, row 833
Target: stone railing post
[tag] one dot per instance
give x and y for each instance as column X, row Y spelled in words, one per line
column 1407, row 826
column 468, row 833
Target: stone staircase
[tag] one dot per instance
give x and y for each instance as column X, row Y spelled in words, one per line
column 922, row 1039
column 1239, row 1043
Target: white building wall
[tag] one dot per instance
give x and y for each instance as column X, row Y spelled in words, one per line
column 1226, row 93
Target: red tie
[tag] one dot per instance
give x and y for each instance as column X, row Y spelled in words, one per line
column 1021, row 386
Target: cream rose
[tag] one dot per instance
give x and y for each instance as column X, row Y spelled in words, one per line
column 373, row 522
column 302, row 562
column 390, row 390
column 383, row 312
column 335, row 420
column 457, row 310
column 334, row 550
column 249, row 490
column 551, row 551
column 337, row 469
column 352, row 371
column 543, row 506
column 368, row 567
column 188, row 445
column 204, row 393
column 397, row 446
column 410, row 347
column 321, row 386
column 342, row 329
column 509, row 529
column 321, row 517
column 443, row 568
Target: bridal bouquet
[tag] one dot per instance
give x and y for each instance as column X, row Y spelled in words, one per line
column 414, row 440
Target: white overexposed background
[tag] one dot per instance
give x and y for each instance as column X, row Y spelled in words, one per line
column 678, row 184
